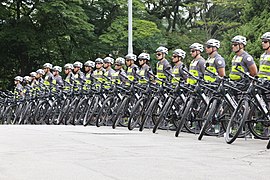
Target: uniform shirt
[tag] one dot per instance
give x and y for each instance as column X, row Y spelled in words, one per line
column 246, row 61
column 143, row 72
column 166, row 65
column 200, row 66
column 48, row 79
column 219, row 61
column 59, row 80
column 182, row 74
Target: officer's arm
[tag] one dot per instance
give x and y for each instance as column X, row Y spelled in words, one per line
column 253, row 69
column 221, row 72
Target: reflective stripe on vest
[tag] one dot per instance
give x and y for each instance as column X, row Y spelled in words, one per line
column 160, row 73
column 194, row 72
column 264, row 70
column 87, row 81
column 211, row 67
column 116, row 78
column 142, row 74
column 235, row 75
column 46, row 81
column 176, row 78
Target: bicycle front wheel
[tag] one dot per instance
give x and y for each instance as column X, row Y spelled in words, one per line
column 237, row 121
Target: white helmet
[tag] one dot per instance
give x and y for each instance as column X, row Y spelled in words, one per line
column 144, row 56
column 108, row 60
column 99, row 60
column 27, row 78
column 89, row 64
column 40, row 71
column 196, row 46
column 68, row 66
column 57, row 68
column 18, row 78
column 120, row 61
column 266, row 36
column 33, row 74
column 162, row 49
column 131, row 56
column 213, row 43
column 239, row 39
column 78, row 64
column 47, row 65
column 180, row 52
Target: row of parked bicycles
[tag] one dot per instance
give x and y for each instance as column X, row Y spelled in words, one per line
column 224, row 108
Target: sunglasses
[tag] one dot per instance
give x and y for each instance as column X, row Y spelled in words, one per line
column 99, row 63
column 208, row 46
column 128, row 60
column 141, row 59
column 117, row 65
column 265, row 41
column 175, row 56
column 158, row 54
column 192, row 51
column 235, row 44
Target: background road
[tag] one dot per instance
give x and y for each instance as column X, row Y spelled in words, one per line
column 76, row 152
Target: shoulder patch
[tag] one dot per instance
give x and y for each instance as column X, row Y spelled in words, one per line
column 249, row 58
column 219, row 62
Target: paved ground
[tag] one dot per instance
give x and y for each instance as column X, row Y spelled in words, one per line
column 69, row 152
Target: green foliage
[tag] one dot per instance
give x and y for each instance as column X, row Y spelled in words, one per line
column 145, row 35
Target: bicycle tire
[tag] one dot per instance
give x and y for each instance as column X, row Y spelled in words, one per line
column 120, row 112
column 163, row 114
column 241, row 110
column 259, row 128
column 80, row 111
column 210, row 115
column 136, row 114
column 184, row 117
column 42, row 109
column 104, row 111
column 63, row 110
column 91, row 110
column 268, row 145
column 149, row 112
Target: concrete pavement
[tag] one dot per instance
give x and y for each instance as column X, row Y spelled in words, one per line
column 77, row 152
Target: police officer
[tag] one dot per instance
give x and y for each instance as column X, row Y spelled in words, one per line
column 118, row 66
column 98, row 72
column 88, row 69
column 241, row 58
column 79, row 77
column 177, row 57
column 18, row 90
column 162, row 63
column 132, row 68
column 49, row 80
column 144, row 59
column 197, row 65
column 69, row 80
column 56, row 73
column 108, row 62
column 264, row 70
column 215, row 61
